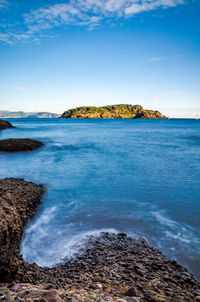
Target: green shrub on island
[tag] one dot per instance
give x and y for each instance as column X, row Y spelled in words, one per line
column 122, row 111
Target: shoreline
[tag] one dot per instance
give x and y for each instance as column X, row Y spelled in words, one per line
column 112, row 267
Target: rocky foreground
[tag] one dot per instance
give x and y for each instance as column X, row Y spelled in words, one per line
column 122, row 111
column 19, row 144
column 5, row 125
column 18, row 203
column 112, row 267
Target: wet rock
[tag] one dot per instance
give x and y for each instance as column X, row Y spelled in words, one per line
column 19, row 144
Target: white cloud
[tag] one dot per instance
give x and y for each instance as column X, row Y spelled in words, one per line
column 18, row 88
column 12, row 38
column 148, row 5
column 88, row 13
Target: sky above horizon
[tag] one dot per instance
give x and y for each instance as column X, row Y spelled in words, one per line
column 59, row 54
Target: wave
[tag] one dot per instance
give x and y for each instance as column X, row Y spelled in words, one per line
column 74, row 147
column 177, row 234
column 48, row 246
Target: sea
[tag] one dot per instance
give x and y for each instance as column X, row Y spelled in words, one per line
column 140, row 177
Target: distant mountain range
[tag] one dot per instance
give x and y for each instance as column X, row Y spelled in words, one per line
column 22, row 114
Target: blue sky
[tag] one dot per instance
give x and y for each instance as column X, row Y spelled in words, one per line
column 59, row 54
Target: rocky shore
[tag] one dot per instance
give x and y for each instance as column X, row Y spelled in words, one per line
column 112, row 267
column 5, row 125
column 18, row 203
column 19, row 144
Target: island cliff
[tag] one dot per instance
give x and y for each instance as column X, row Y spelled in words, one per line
column 122, row 111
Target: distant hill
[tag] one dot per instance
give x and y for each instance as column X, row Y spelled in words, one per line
column 22, row 114
column 113, row 111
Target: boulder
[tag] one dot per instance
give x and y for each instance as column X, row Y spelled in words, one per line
column 19, row 144
column 5, row 125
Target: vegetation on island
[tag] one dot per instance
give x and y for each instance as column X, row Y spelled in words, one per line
column 122, row 111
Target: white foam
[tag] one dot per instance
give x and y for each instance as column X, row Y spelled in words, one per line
column 64, row 246
column 77, row 243
column 43, row 219
column 178, row 231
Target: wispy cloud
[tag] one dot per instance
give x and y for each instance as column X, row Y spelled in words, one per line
column 89, row 13
column 173, row 92
column 3, row 3
column 11, row 38
column 18, row 88
column 157, row 59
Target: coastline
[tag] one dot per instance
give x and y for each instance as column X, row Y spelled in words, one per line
column 113, row 267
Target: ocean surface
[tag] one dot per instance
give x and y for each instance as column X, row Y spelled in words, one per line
column 141, row 177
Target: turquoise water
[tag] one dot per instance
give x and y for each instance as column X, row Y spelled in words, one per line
column 141, row 177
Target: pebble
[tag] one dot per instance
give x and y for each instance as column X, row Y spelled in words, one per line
column 131, row 292
column 135, row 299
column 159, row 299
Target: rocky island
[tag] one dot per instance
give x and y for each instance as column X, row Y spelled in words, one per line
column 122, row 111
column 5, row 125
column 112, row 267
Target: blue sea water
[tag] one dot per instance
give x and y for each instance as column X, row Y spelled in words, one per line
column 141, row 177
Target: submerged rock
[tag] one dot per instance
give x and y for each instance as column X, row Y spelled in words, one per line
column 5, row 125
column 19, row 144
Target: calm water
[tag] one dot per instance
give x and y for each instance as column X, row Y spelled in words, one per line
column 136, row 176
